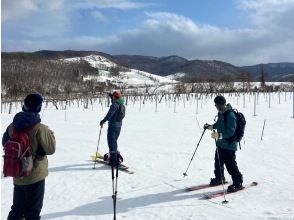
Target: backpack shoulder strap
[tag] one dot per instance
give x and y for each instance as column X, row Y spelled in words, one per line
column 226, row 115
column 27, row 130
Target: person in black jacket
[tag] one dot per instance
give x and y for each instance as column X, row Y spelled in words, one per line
column 225, row 153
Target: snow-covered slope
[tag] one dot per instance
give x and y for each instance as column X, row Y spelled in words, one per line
column 157, row 141
column 176, row 76
column 129, row 77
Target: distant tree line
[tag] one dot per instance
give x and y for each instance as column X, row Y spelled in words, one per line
column 23, row 73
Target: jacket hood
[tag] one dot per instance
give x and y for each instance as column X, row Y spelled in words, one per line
column 24, row 120
column 229, row 107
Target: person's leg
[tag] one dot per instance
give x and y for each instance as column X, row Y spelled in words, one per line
column 218, row 169
column 34, row 204
column 18, row 206
column 112, row 136
column 232, row 167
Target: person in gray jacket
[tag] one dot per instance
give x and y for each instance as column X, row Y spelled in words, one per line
column 29, row 190
column 225, row 153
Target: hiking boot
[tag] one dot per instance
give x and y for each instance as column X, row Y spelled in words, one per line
column 216, row 181
column 235, row 187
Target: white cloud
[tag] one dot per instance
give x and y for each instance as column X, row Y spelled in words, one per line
column 269, row 12
column 165, row 34
column 118, row 4
column 268, row 37
column 15, row 10
column 98, row 16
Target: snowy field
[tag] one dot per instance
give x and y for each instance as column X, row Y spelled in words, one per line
column 158, row 143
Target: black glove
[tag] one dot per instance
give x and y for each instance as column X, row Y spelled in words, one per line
column 40, row 152
column 207, row 126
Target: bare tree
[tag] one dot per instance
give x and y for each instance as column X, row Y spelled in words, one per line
column 262, row 77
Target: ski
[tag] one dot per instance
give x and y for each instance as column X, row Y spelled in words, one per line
column 221, row 193
column 121, row 167
column 202, row 186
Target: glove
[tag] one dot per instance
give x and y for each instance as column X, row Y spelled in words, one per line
column 215, row 135
column 40, row 152
column 102, row 122
column 207, row 126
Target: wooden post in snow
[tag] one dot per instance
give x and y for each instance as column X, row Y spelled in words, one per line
column 263, row 129
column 269, row 99
column 254, row 114
column 244, row 100
column 293, row 102
column 197, row 104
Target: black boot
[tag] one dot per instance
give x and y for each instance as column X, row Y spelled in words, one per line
column 216, row 181
column 235, row 187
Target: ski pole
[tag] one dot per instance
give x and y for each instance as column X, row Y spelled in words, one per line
column 219, row 165
column 185, row 173
column 114, row 162
column 113, row 193
column 116, row 178
column 97, row 147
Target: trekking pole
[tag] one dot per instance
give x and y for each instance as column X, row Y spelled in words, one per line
column 222, row 178
column 185, row 173
column 113, row 193
column 97, row 147
column 114, row 186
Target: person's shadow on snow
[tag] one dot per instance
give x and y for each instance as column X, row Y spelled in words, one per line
column 105, row 204
column 78, row 167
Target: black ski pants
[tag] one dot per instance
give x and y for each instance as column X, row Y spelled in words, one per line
column 27, row 201
column 227, row 158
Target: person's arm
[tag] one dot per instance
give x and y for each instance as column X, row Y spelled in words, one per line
column 5, row 137
column 231, row 125
column 113, row 108
column 215, row 125
column 46, row 140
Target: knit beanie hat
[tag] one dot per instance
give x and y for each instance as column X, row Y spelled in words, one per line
column 220, row 100
column 33, row 103
column 115, row 95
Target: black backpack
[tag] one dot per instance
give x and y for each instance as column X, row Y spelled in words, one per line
column 241, row 122
column 122, row 113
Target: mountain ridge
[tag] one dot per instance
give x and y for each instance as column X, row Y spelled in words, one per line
column 187, row 70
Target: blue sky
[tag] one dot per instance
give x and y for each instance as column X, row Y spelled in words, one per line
column 241, row 32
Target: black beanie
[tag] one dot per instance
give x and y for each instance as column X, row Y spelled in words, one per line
column 33, row 103
column 220, row 100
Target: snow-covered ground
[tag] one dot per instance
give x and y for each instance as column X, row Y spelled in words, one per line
column 157, row 143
